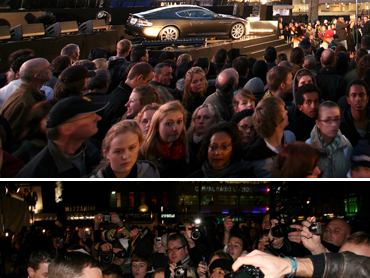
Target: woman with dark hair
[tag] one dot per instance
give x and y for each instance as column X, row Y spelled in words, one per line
column 244, row 121
column 34, row 134
column 59, row 64
column 72, row 81
column 221, row 154
column 363, row 65
column 296, row 160
column 342, row 63
column 140, row 97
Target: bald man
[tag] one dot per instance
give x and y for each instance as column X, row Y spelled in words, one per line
column 226, row 83
column 33, row 74
column 332, row 85
column 334, row 236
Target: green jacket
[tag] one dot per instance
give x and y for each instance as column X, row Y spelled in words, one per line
column 336, row 164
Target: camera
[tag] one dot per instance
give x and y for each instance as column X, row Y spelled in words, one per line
column 118, row 236
column 158, row 239
column 286, row 217
column 246, row 271
column 59, row 240
column 315, row 228
column 107, row 257
column 106, row 218
column 198, row 231
column 180, row 271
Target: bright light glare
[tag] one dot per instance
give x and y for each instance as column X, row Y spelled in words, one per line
column 197, row 221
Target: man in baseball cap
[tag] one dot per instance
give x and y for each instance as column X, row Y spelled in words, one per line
column 69, row 153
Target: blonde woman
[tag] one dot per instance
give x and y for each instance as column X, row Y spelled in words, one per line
column 120, row 148
column 166, row 143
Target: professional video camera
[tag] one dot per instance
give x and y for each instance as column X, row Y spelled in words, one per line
column 246, row 271
column 107, row 257
column 286, row 213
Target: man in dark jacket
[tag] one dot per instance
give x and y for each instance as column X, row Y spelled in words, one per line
column 355, row 120
column 331, row 84
column 226, row 84
column 118, row 64
column 342, row 30
column 366, row 28
column 305, row 109
column 69, row 153
column 140, row 74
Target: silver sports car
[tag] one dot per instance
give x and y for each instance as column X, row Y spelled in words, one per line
column 184, row 21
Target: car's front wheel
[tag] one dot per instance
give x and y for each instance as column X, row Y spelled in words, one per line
column 237, row 31
column 169, row 33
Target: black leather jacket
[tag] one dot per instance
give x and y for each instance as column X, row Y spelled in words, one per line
column 346, row 264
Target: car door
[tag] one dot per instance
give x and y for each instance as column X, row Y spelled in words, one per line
column 205, row 23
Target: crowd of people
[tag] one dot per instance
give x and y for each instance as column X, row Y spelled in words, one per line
column 128, row 115
column 348, row 32
column 192, row 250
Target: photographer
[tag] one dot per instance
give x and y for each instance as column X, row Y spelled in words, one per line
column 283, row 241
column 180, row 263
column 334, row 236
column 84, row 239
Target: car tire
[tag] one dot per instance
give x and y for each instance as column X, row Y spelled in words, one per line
column 237, row 31
column 170, row 33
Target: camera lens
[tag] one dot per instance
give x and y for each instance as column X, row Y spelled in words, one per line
column 195, row 235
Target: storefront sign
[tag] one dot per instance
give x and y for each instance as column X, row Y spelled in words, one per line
column 243, row 189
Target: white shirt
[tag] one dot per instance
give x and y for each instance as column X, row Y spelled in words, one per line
column 6, row 91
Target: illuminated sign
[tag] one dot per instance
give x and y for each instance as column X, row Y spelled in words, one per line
column 206, row 188
column 168, row 215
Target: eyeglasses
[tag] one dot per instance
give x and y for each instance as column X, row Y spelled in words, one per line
column 176, row 249
column 329, row 121
column 221, row 148
column 246, row 127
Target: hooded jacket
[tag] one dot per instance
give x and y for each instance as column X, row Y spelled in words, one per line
column 336, row 164
column 144, row 169
column 349, row 130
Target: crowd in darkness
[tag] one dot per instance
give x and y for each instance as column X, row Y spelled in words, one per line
column 128, row 115
column 186, row 250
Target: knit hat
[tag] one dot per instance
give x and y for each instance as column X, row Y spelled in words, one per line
column 361, row 156
column 222, row 263
column 255, row 85
column 72, row 106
